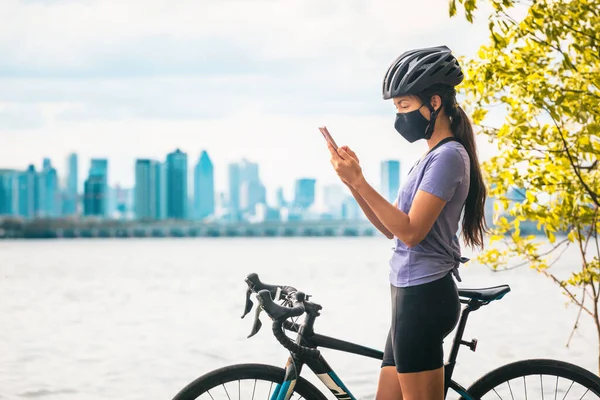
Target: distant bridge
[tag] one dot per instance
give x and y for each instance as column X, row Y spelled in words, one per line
column 177, row 228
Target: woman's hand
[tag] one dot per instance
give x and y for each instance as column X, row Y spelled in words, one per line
column 351, row 153
column 345, row 163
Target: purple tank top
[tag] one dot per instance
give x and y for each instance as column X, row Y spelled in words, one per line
column 445, row 173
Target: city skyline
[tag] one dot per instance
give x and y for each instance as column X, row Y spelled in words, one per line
column 221, row 177
column 162, row 190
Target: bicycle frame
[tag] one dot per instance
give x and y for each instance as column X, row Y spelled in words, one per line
column 325, row 373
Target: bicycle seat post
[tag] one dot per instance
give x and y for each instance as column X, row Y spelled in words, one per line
column 472, row 305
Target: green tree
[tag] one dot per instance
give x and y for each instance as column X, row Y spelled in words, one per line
column 544, row 69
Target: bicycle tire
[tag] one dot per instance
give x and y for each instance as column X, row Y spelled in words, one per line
column 238, row 372
column 560, row 369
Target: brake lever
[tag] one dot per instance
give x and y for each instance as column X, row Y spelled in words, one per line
column 257, row 324
column 249, row 303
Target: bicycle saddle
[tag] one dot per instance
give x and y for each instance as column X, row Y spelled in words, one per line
column 485, row 294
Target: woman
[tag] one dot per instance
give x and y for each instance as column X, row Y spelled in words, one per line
column 424, row 219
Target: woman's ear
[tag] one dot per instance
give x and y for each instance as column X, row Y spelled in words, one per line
column 436, row 102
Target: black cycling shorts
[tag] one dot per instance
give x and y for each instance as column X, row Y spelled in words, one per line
column 422, row 316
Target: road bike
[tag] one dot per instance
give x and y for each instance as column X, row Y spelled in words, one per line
column 527, row 379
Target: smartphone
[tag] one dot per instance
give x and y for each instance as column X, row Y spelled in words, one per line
column 328, row 137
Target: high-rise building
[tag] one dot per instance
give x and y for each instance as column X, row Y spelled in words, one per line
column 71, row 195
column 233, row 205
column 333, row 198
column 204, row 187
column 304, row 193
column 95, row 193
column 248, row 171
column 145, row 201
column 350, row 209
column 121, row 202
column 161, row 190
column 49, row 200
column 177, row 183
column 111, row 209
column 28, row 193
column 251, row 194
column 252, row 191
column 390, row 179
column 9, row 192
column 95, row 196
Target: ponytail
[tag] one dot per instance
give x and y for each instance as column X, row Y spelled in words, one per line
column 473, row 223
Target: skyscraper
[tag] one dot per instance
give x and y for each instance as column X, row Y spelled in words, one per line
column 177, row 193
column 122, row 200
column 252, row 191
column 390, row 179
column 161, row 190
column 350, row 209
column 204, row 187
column 233, row 205
column 28, row 193
column 94, row 196
column 95, row 193
column 305, row 193
column 49, row 204
column 145, row 201
column 71, row 197
column 334, row 196
column 9, row 192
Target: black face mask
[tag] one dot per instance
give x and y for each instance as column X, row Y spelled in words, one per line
column 414, row 126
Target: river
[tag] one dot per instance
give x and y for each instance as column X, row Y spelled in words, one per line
column 140, row 318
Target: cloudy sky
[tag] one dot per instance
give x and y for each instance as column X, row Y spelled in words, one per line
column 252, row 78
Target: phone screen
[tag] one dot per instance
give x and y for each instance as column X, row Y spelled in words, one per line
column 328, row 137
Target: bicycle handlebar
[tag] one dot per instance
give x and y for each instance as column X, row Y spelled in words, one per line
column 256, row 285
column 279, row 314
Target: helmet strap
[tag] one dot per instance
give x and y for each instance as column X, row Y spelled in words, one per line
column 432, row 118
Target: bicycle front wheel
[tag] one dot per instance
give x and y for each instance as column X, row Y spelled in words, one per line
column 537, row 379
column 246, row 382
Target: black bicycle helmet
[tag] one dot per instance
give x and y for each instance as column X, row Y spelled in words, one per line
column 419, row 69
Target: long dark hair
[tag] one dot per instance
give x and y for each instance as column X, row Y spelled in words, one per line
column 473, row 224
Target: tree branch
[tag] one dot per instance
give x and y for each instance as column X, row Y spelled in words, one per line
column 589, row 167
column 552, row 46
column 592, row 194
column 569, row 27
column 577, row 319
column 596, row 292
column 571, row 296
column 530, row 260
column 584, row 92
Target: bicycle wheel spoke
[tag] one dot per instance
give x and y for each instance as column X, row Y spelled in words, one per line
column 246, row 389
column 497, row 394
column 525, row 385
column 226, row 391
column 556, row 389
column 510, row 389
column 568, row 390
column 542, row 386
column 586, row 392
